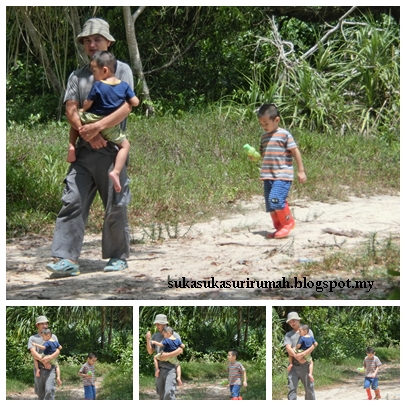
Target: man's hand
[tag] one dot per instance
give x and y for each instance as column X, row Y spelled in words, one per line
column 89, row 131
column 300, row 358
column 148, row 335
column 97, row 142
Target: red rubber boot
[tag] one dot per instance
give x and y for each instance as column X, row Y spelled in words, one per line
column 287, row 222
column 369, row 394
column 276, row 223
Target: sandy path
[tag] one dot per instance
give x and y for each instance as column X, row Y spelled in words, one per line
column 226, row 250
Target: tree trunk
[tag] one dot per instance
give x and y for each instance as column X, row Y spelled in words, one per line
column 103, row 326
column 111, row 325
column 135, row 58
column 74, row 19
column 239, row 323
column 247, row 323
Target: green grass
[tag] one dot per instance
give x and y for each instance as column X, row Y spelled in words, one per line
column 326, row 376
column 15, row 385
column 187, row 170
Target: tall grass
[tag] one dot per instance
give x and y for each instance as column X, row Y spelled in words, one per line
column 187, row 169
column 350, row 84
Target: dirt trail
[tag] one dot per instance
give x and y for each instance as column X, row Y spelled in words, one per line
column 189, row 391
column 233, row 249
column 354, row 390
column 65, row 392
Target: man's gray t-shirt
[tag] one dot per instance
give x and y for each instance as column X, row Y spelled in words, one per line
column 292, row 337
column 81, row 81
column 159, row 337
column 38, row 340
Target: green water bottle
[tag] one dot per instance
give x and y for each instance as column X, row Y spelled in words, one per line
column 252, row 152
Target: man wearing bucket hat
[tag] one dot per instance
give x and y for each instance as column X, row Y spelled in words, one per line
column 45, row 383
column 300, row 368
column 166, row 381
column 95, row 158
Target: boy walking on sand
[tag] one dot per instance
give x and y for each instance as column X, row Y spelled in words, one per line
column 87, row 372
column 237, row 376
column 371, row 367
column 277, row 149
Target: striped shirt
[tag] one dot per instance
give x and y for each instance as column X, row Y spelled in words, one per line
column 276, row 151
column 370, row 365
column 86, row 368
column 235, row 370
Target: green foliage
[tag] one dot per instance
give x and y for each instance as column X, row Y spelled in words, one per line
column 17, row 358
column 351, row 83
column 28, row 97
column 234, row 57
column 342, row 332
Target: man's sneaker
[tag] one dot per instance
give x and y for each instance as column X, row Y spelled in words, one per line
column 63, row 268
column 115, row 265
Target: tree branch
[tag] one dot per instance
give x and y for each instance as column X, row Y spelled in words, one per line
column 140, row 9
column 175, row 58
column 328, row 33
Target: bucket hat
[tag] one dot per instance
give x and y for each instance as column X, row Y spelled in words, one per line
column 95, row 26
column 41, row 319
column 292, row 316
column 160, row 319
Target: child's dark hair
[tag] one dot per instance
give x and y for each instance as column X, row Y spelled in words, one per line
column 91, row 355
column 105, row 58
column 268, row 109
column 168, row 329
column 370, row 350
column 46, row 331
column 234, row 353
column 304, row 327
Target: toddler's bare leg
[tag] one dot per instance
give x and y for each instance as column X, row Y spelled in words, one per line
column 73, row 136
column 178, row 375
column 119, row 165
column 37, row 370
column 311, row 372
column 156, row 367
